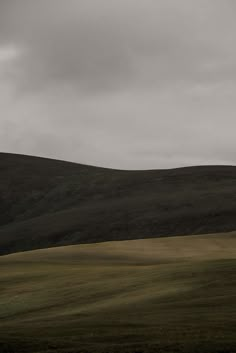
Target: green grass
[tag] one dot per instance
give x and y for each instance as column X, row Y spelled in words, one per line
column 155, row 295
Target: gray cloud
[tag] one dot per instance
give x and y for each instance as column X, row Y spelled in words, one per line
column 107, row 44
column 128, row 83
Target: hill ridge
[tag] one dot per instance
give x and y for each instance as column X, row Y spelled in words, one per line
column 46, row 202
column 187, row 167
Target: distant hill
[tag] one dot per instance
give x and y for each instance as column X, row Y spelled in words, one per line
column 46, row 203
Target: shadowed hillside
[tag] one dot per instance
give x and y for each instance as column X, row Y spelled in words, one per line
column 169, row 295
column 44, row 202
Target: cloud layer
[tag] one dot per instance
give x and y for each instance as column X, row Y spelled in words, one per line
column 123, row 84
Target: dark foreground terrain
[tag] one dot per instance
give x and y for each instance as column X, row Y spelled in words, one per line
column 44, row 202
column 143, row 296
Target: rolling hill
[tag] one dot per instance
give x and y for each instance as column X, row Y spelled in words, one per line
column 172, row 295
column 45, row 203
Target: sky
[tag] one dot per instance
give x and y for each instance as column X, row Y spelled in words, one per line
column 127, row 84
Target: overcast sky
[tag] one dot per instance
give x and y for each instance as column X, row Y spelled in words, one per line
column 129, row 84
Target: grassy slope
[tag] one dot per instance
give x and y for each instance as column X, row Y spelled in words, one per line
column 45, row 202
column 154, row 295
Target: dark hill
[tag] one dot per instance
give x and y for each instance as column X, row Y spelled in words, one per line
column 46, row 202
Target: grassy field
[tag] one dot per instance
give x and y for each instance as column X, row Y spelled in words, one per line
column 155, row 295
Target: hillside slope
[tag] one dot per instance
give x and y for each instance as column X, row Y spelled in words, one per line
column 172, row 295
column 44, row 202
